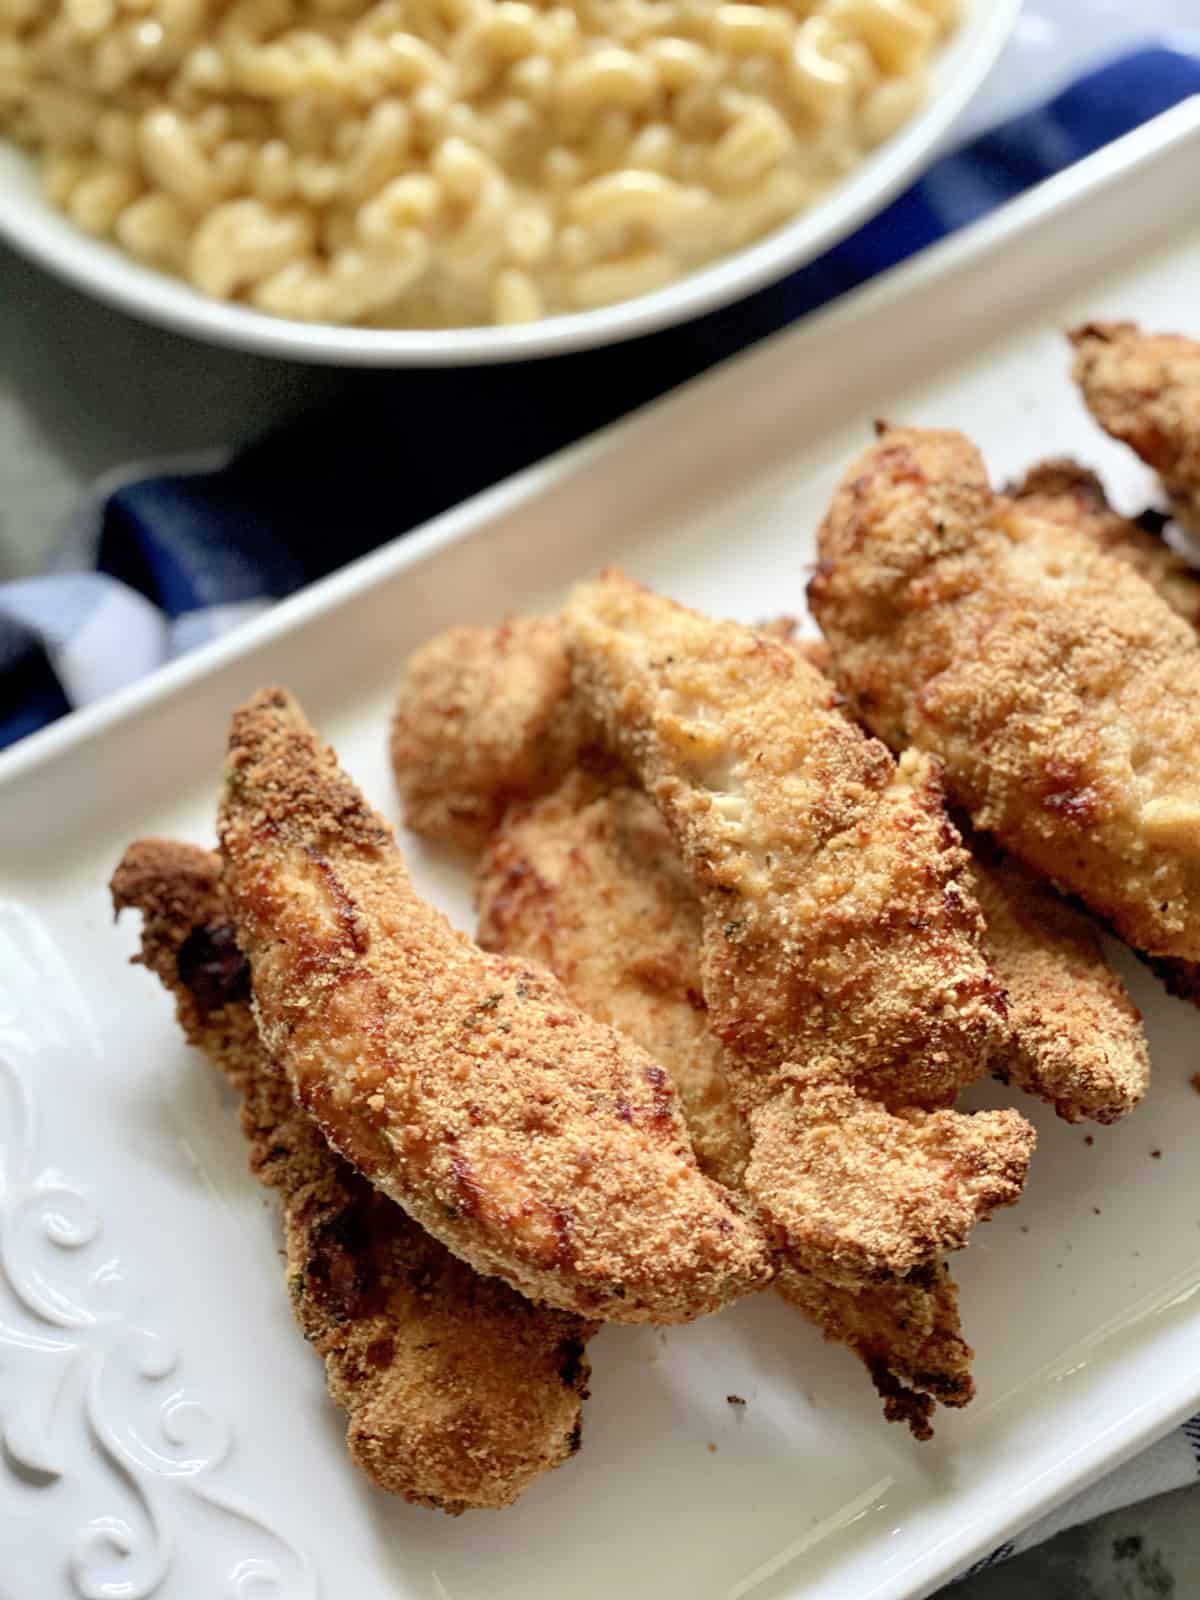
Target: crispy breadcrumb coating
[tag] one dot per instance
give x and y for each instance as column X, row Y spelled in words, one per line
column 1059, row 689
column 838, row 924
column 840, row 948
column 1047, row 957
column 534, row 1142
column 866, row 1195
column 907, row 1335
column 1077, row 1038
column 1063, row 491
column 459, row 1392
column 1144, row 389
column 588, row 881
column 1060, row 490
column 483, row 717
column 1098, row 1075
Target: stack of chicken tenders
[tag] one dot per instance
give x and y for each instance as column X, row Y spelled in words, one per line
column 753, row 912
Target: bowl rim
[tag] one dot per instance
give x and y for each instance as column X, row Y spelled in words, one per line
column 99, row 269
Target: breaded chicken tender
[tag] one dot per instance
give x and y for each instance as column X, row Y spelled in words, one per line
column 840, row 949
column 838, row 922
column 907, row 1335
column 1060, row 490
column 534, row 1142
column 483, row 717
column 1077, row 1038
column 1046, row 956
column 1061, row 692
column 589, row 882
column 1066, row 492
column 459, row 1392
column 1144, row 389
column 865, row 1195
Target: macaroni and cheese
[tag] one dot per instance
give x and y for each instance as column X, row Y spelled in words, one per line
column 442, row 163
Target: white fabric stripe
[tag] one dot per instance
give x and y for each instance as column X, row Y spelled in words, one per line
column 56, row 608
column 210, row 622
column 98, row 633
column 118, row 641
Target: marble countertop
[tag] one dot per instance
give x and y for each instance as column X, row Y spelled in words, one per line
column 84, row 390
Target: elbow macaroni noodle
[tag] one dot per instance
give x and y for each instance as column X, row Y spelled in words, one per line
column 440, row 163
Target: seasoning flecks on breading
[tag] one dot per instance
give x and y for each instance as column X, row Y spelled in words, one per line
column 459, row 1392
column 840, row 950
column 1144, row 389
column 1076, row 1036
column 1060, row 490
column 1060, row 691
column 536, row 1143
column 589, row 882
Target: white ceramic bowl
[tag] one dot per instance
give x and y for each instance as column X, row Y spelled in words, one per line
column 43, row 234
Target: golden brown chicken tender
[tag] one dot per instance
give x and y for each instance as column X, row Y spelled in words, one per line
column 483, row 717
column 840, row 950
column 1083, row 1073
column 838, row 922
column 1077, row 1038
column 1058, row 688
column 863, row 1194
column 1063, row 491
column 459, row 1392
column 588, row 881
column 1144, row 389
column 1060, row 490
column 534, row 1142
column 907, row 1335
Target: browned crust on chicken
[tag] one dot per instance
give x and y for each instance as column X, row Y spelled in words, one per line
column 1060, row 490
column 840, row 949
column 534, row 1142
column 459, row 1392
column 1058, row 688
column 588, row 881
column 864, row 1194
column 907, row 1335
column 838, row 922
column 483, row 717
column 1077, row 1036
column 1063, row 491
column 1144, row 389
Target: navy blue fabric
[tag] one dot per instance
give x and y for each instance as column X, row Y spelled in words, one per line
column 302, row 501
column 30, row 693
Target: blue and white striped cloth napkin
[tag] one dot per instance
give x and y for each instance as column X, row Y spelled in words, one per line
column 160, row 559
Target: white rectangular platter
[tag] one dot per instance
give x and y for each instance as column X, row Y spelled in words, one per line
column 166, row 1431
